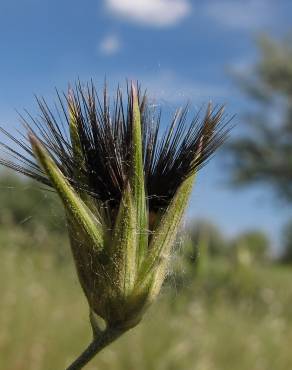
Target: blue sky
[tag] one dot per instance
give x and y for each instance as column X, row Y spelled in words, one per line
column 179, row 49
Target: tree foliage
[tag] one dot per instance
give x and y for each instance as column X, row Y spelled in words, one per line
column 204, row 234
column 264, row 153
column 253, row 242
column 24, row 204
column 286, row 256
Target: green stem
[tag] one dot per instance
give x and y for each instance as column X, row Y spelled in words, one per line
column 98, row 343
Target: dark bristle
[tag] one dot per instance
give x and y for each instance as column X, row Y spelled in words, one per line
column 104, row 131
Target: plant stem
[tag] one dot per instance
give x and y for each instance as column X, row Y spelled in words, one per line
column 98, row 343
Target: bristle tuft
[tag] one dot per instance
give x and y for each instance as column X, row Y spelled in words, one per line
column 104, row 131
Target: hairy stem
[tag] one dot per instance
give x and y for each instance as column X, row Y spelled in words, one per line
column 98, row 343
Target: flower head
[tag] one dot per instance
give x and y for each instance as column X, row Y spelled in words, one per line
column 124, row 183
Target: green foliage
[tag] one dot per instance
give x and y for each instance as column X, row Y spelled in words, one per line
column 254, row 243
column 203, row 232
column 23, row 203
column 31, row 219
column 264, row 153
column 200, row 242
column 226, row 311
column 203, row 246
column 232, row 315
column 287, row 243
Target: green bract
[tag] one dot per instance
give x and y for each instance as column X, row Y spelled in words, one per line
column 124, row 187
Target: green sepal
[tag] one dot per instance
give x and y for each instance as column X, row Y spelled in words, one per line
column 154, row 268
column 74, row 134
column 78, row 151
column 74, row 206
column 137, row 178
column 124, row 245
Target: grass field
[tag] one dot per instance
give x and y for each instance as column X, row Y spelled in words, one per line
column 229, row 317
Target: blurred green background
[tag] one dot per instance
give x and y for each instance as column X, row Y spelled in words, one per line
column 226, row 304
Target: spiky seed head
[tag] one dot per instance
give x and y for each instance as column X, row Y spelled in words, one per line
column 124, row 185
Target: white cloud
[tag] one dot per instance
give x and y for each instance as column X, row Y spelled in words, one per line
column 157, row 13
column 246, row 15
column 110, row 45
